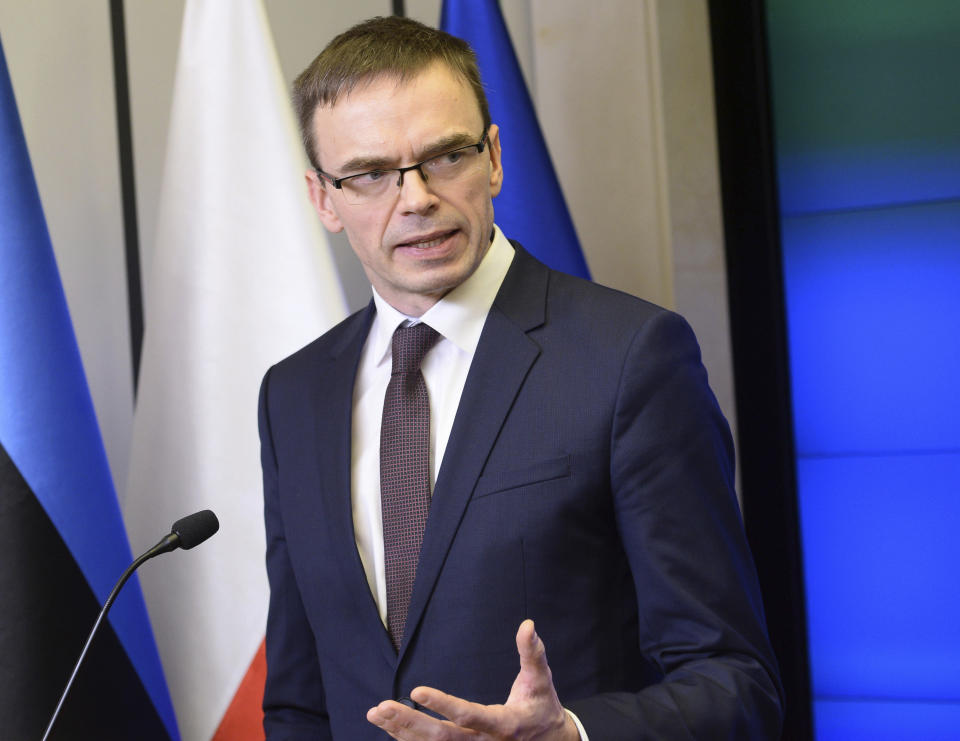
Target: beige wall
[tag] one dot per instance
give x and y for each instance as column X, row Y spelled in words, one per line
column 623, row 89
column 694, row 220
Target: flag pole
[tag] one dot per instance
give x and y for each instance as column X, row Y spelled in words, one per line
column 127, row 185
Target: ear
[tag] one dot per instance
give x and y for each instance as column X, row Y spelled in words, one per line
column 496, row 165
column 321, row 199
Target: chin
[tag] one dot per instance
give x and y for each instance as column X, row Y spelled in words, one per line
column 440, row 279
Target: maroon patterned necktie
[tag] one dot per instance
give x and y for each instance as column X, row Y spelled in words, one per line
column 405, row 470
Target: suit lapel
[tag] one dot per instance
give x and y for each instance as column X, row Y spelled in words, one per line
column 337, row 374
column 503, row 358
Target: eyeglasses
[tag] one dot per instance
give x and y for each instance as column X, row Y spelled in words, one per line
column 447, row 167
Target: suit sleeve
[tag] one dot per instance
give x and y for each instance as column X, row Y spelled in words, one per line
column 293, row 703
column 700, row 616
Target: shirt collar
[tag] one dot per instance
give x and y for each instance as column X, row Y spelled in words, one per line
column 460, row 315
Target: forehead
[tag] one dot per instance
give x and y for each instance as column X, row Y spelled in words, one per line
column 390, row 117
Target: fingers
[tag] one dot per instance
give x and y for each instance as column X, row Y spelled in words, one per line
column 406, row 724
column 470, row 716
column 392, row 717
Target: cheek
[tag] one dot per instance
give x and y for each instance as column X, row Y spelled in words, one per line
column 477, row 202
column 365, row 235
column 362, row 232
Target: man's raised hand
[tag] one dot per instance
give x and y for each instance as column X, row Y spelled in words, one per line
column 532, row 712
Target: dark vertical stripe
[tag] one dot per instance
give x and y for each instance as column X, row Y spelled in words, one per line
column 46, row 611
column 758, row 331
column 127, row 185
column 398, row 8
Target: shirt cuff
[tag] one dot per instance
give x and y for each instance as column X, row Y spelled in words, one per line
column 576, row 720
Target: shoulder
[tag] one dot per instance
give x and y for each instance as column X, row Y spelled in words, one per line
column 584, row 311
column 339, row 341
column 599, row 303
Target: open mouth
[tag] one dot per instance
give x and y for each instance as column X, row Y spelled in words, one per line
column 428, row 241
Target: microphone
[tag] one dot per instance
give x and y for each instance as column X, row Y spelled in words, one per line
column 187, row 532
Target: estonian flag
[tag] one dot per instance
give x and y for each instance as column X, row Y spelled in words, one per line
column 62, row 540
column 530, row 207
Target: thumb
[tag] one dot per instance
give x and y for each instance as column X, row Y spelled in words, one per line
column 535, row 680
column 533, row 654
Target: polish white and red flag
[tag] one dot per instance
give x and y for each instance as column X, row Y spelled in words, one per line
column 241, row 276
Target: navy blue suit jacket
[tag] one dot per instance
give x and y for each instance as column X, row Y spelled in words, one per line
column 587, row 484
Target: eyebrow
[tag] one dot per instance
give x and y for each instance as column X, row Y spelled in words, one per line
column 364, row 163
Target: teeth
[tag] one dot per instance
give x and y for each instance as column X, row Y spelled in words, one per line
column 425, row 244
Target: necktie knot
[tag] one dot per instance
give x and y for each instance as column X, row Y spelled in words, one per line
column 410, row 344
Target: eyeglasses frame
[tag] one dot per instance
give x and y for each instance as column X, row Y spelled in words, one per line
column 338, row 182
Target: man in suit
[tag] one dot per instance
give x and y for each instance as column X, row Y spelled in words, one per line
column 549, row 470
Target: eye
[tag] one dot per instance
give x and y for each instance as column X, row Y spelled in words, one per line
column 445, row 161
column 369, row 178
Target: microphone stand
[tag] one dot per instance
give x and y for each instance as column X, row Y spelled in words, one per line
column 168, row 543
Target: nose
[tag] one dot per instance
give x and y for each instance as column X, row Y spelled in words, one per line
column 415, row 193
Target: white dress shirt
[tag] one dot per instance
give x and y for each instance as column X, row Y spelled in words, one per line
column 459, row 318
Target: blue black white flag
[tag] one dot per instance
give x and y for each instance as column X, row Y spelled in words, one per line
column 62, row 539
